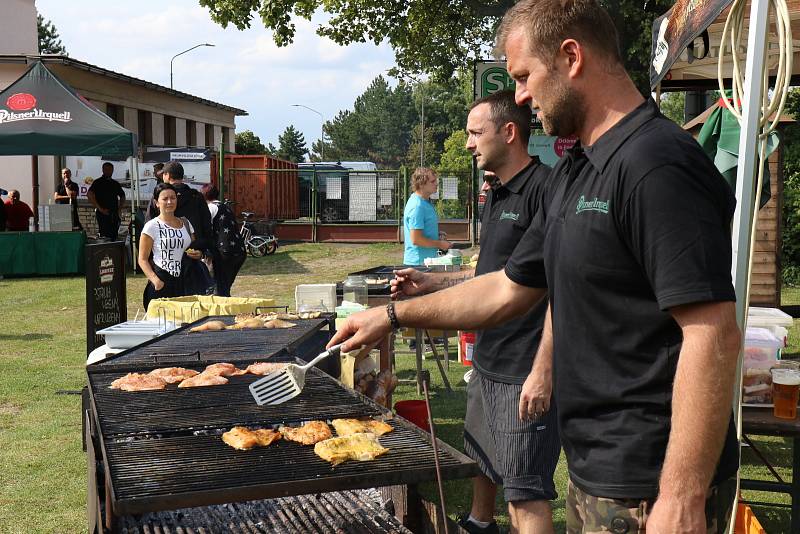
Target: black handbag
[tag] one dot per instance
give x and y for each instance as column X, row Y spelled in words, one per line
column 196, row 278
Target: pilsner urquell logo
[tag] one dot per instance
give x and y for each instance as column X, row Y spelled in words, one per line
column 592, row 205
column 510, row 215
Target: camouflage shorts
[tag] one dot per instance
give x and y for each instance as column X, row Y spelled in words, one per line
column 587, row 514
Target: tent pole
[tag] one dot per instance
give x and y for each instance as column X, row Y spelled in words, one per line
column 35, row 190
column 745, row 180
column 134, row 208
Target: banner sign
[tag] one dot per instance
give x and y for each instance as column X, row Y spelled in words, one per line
column 677, row 29
column 106, row 302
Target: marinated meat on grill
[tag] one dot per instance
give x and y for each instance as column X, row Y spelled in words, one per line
column 139, row 382
column 278, row 323
column 203, row 379
column 264, row 368
column 361, row 447
column 223, row 369
column 242, row 438
column 308, row 434
column 348, row 427
column 173, row 375
column 253, row 322
column 210, row 325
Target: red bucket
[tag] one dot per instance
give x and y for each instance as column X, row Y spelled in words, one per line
column 415, row 411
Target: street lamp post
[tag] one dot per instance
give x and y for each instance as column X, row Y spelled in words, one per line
column 322, row 129
column 181, row 53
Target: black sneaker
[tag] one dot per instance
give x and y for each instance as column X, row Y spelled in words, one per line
column 472, row 528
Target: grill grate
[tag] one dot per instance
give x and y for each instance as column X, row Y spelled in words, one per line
column 227, row 345
column 356, row 512
column 174, row 472
column 175, row 410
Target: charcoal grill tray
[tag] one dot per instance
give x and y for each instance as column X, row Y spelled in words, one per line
column 224, row 345
column 168, row 473
column 175, row 410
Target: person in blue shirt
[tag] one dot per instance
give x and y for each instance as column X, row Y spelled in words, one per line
column 420, row 223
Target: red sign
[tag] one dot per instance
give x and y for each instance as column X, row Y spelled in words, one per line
column 562, row 144
column 21, row 102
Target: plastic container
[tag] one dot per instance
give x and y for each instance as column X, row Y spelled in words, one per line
column 414, row 411
column 761, row 345
column 343, row 312
column 355, row 290
column 315, row 297
column 767, row 317
column 466, row 344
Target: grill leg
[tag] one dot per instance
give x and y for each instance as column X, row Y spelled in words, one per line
column 92, row 500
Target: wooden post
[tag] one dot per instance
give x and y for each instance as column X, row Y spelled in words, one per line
column 35, row 190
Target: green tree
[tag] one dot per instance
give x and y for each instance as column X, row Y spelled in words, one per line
column 673, row 106
column 292, row 145
column 429, row 35
column 790, row 235
column 249, row 143
column 49, row 40
column 456, row 157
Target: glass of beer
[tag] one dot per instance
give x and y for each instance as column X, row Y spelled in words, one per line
column 785, row 392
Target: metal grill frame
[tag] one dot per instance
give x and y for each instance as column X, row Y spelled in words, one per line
column 351, row 475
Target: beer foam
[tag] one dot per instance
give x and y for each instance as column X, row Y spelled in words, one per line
column 786, row 377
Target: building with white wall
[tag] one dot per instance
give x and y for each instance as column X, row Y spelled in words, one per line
column 157, row 114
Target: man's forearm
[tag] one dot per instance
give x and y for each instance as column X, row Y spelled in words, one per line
column 701, row 407
column 543, row 361
column 482, row 302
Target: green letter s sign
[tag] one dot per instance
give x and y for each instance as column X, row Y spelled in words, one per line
column 495, row 79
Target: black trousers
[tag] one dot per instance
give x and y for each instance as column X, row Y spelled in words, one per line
column 108, row 225
column 173, row 287
column 225, row 270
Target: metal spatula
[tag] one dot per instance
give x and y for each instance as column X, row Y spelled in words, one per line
column 281, row 386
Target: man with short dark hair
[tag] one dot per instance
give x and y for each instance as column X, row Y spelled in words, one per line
column 634, row 248
column 18, row 213
column 67, row 193
column 106, row 195
column 520, row 455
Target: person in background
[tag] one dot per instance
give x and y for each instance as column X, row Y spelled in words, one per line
column 67, row 193
column 228, row 252
column 18, row 213
column 167, row 237
column 2, row 211
column 191, row 205
column 106, row 195
column 158, row 174
column 420, row 222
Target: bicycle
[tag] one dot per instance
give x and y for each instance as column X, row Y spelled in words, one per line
column 255, row 244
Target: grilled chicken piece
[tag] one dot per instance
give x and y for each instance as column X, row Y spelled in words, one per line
column 308, row 434
column 253, row 322
column 278, row 323
column 210, row 325
column 264, row 368
column 139, row 382
column 241, row 317
column 223, row 369
column 361, row 447
column 203, row 379
column 173, row 375
column 242, row 438
column 348, row 427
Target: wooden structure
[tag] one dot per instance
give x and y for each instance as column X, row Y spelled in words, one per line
column 765, row 282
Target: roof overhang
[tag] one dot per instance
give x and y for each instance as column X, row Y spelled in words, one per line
column 71, row 62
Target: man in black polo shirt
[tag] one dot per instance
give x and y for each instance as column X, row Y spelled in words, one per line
column 519, row 454
column 106, row 195
column 637, row 251
column 67, row 193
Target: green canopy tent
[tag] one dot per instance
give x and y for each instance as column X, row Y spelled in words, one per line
column 42, row 115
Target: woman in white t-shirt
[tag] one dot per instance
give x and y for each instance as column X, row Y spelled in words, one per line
column 168, row 238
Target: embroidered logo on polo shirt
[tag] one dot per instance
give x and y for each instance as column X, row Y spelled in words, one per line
column 592, row 205
column 508, row 215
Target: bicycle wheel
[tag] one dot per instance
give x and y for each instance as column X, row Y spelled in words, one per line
column 272, row 246
column 257, row 246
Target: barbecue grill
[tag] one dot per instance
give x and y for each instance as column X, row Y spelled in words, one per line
column 162, row 450
column 381, row 271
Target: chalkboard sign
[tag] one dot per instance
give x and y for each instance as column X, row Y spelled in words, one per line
column 106, row 304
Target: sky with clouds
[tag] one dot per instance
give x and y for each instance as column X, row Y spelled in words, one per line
column 245, row 69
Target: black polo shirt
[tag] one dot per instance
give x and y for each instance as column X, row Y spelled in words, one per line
column 62, row 191
column 107, row 192
column 637, row 223
column 505, row 353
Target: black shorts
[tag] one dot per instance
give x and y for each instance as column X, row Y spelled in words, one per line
column 520, row 455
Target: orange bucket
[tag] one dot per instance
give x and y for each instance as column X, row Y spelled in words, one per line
column 414, row 411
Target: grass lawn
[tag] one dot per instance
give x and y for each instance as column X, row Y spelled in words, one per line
column 42, row 354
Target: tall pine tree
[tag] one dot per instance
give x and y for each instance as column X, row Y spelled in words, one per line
column 292, row 145
column 49, row 40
